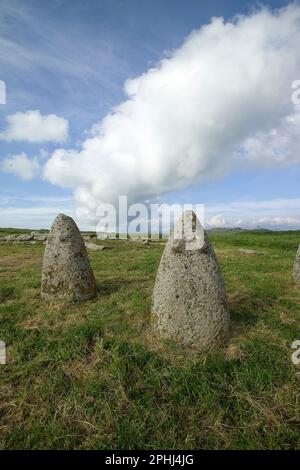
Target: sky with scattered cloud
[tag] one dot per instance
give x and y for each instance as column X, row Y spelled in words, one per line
column 179, row 102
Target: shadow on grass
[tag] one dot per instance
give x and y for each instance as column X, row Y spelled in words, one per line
column 114, row 285
column 246, row 309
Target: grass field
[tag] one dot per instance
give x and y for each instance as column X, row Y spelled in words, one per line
column 96, row 376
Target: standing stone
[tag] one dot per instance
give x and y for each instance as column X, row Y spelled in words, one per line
column 296, row 270
column 189, row 299
column 67, row 274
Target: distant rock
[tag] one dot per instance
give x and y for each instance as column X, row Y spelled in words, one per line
column 189, row 298
column 101, row 236
column 26, row 237
column 139, row 239
column 88, row 236
column 10, row 238
column 94, row 247
column 67, row 274
column 296, row 270
column 40, row 237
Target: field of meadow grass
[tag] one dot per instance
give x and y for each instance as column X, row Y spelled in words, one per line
column 96, row 376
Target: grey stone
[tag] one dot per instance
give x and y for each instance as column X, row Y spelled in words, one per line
column 189, row 298
column 40, row 237
column 26, row 237
column 10, row 238
column 67, row 274
column 138, row 239
column 296, row 270
column 94, row 247
column 101, row 236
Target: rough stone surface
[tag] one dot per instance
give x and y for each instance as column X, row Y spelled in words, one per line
column 189, row 298
column 67, row 274
column 296, row 270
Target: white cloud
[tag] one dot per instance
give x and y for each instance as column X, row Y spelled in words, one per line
column 276, row 214
column 223, row 99
column 256, row 206
column 271, row 223
column 277, row 222
column 279, row 146
column 216, row 221
column 33, row 127
column 22, row 166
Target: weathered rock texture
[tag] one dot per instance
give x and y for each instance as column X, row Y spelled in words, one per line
column 67, row 274
column 296, row 270
column 189, row 298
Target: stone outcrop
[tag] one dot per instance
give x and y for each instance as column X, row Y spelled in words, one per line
column 67, row 274
column 189, row 298
column 296, row 270
column 24, row 237
column 40, row 237
column 94, row 247
column 10, row 238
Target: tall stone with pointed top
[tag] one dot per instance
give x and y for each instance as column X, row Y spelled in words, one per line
column 296, row 270
column 67, row 275
column 189, row 299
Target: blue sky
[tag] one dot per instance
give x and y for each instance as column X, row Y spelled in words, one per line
column 71, row 59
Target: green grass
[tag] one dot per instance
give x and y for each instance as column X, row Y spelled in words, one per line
column 96, row 375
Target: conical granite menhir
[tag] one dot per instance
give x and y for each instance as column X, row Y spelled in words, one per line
column 67, row 274
column 189, row 298
column 296, row 270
